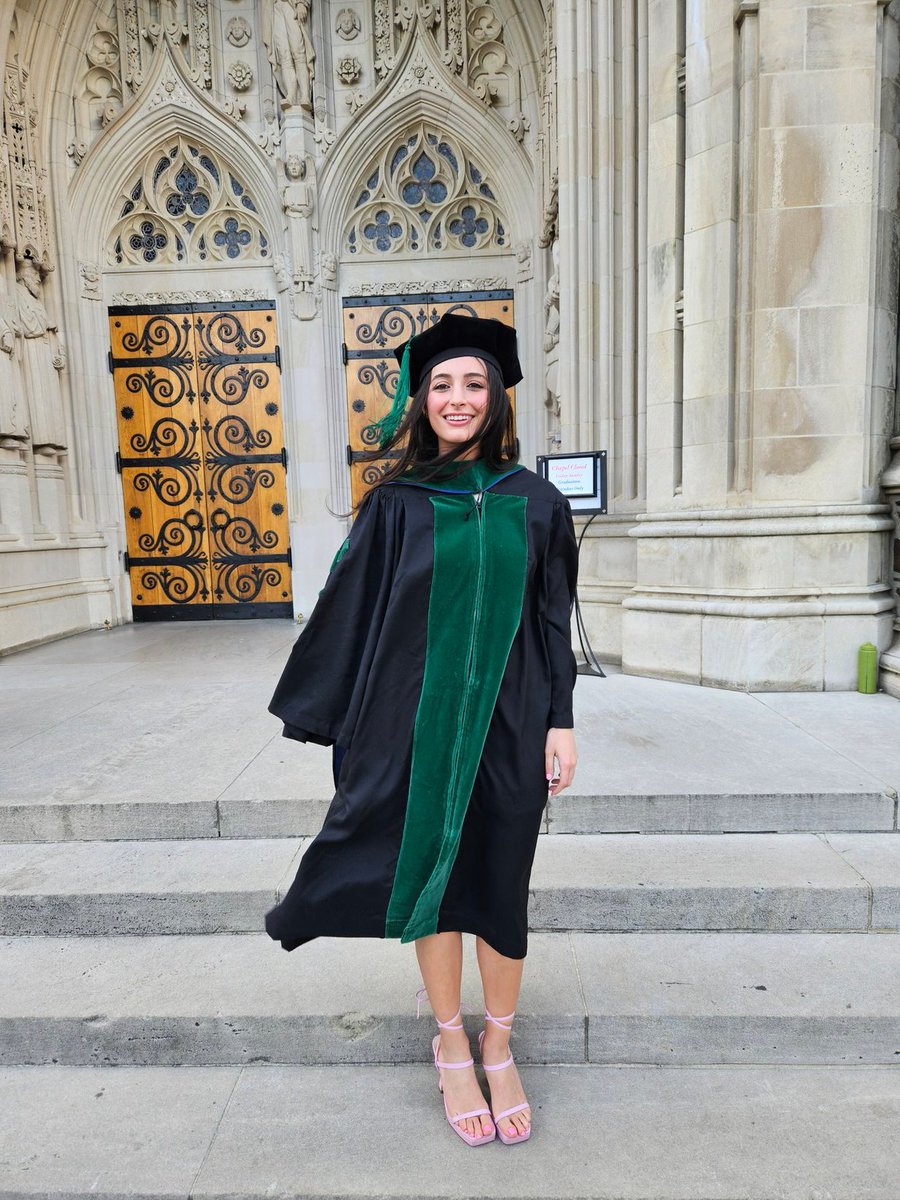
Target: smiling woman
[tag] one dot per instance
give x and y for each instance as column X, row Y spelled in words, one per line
column 438, row 658
column 457, row 402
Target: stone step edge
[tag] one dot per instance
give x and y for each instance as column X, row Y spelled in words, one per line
column 55, row 820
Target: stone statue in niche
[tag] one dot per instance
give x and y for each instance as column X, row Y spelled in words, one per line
column 44, row 356
column 13, row 415
column 298, row 199
column 285, row 33
column 551, row 343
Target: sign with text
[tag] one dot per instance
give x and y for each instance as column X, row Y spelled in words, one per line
column 580, row 477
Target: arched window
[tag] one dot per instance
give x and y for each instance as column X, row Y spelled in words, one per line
column 186, row 206
column 424, row 194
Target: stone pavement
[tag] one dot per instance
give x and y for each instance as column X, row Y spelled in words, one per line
column 710, row 1007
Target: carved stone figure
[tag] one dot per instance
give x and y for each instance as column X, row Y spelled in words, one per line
column 13, row 414
column 90, row 280
column 285, row 33
column 551, row 343
column 347, row 24
column 43, row 356
column 298, row 198
column 328, row 264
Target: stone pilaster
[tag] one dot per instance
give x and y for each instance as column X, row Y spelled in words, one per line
column 764, row 568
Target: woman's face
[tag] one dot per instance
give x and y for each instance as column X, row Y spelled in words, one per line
column 457, row 402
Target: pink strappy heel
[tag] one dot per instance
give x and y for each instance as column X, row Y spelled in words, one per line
column 508, row 1062
column 455, row 1023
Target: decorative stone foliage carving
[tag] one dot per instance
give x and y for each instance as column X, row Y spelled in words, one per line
column 423, row 195
column 348, row 69
column 27, row 180
column 98, row 97
column 347, row 24
column 195, row 296
column 186, row 206
column 469, row 37
column 407, row 288
column 240, row 75
column 146, row 25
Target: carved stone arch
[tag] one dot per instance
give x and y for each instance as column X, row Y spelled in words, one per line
column 420, row 90
column 170, row 110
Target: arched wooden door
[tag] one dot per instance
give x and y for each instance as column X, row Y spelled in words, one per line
column 202, row 459
column 373, row 326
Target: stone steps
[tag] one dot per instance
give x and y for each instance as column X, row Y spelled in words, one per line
column 664, row 998
column 604, row 1132
column 49, row 819
column 593, row 882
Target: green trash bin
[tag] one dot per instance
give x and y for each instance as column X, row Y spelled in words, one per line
column 868, row 669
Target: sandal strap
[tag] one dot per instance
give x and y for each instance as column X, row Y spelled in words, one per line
column 476, row 1112
column 500, row 1020
column 453, row 1023
column 498, row 1066
column 470, row 1062
column 508, row 1112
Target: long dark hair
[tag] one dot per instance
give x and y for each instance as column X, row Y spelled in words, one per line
column 496, row 436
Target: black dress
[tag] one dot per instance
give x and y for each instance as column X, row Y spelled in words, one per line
column 438, row 655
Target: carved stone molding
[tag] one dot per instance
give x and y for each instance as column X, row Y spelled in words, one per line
column 193, row 296
column 26, row 191
column 411, row 288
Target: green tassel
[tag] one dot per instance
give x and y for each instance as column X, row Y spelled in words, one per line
column 385, row 429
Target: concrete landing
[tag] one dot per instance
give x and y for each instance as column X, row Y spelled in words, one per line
column 603, row 1133
column 161, row 731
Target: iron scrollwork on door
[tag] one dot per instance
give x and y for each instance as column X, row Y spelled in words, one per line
column 210, row 538
column 244, row 558
column 224, row 343
column 174, row 559
column 231, row 473
column 160, row 361
column 170, row 449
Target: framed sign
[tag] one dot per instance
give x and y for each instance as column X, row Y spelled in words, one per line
column 580, row 477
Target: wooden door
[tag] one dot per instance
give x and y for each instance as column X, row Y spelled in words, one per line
column 202, row 459
column 373, row 326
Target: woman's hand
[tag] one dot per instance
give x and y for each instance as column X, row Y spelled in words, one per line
column 560, row 745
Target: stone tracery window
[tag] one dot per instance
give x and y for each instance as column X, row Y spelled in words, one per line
column 185, row 206
column 424, row 194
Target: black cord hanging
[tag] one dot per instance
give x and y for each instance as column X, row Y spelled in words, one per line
column 590, row 658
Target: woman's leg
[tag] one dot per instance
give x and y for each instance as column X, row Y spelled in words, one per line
column 440, row 961
column 501, row 979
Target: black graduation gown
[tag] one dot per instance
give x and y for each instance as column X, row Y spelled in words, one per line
column 438, row 655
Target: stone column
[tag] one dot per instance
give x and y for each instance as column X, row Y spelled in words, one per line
column 766, row 569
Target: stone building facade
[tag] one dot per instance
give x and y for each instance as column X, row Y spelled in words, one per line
column 691, row 208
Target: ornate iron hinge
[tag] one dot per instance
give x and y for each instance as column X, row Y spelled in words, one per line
column 126, row 561
column 109, row 360
column 118, row 463
column 345, row 358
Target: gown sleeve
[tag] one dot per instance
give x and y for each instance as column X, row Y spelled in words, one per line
column 316, row 694
column 561, row 576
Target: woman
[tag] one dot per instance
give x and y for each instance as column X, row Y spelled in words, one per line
column 438, row 656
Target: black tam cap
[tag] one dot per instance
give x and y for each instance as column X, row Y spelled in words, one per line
column 454, row 336
column 458, row 336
